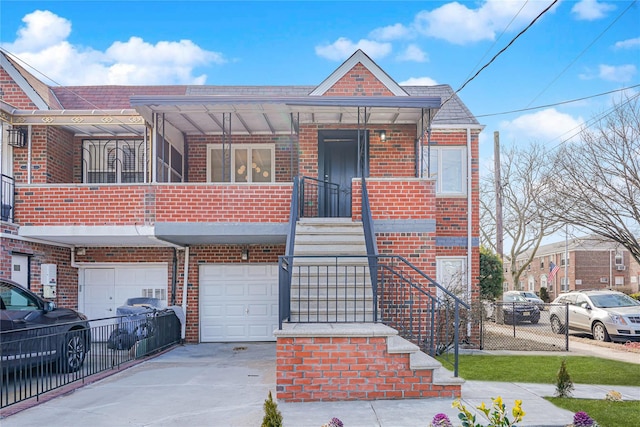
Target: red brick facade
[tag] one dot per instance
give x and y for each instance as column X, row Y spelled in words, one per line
column 54, row 195
column 350, row 368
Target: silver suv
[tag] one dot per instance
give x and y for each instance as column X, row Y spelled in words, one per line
column 607, row 315
column 532, row 298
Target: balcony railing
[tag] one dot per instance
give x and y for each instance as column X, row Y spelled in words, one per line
column 7, row 201
column 29, row 370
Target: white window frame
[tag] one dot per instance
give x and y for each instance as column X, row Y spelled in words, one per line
column 445, row 270
column 619, row 258
column 250, row 148
column 437, row 157
column 618, row 280
column 543, row 281
column 531, row 284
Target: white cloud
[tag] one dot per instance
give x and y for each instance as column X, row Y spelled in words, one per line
column 419, row 81
column 628, row 44
column 590, row 10
column 43, row 29
column 390, row 32
column 42, row 44
column 413, row 53
column 343, row 48
column 548, row 125
column 619, row 74
column 458, row 24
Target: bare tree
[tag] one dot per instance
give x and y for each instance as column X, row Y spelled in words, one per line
column 597, row 180
column 526, row 186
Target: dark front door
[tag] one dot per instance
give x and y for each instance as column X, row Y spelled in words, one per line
column 338, row 165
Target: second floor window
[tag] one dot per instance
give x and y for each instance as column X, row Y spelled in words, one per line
column 243, row 163
column 113, row 161
column 619, row 258
column 449, row 166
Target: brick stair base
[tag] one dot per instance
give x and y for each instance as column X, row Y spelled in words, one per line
column 363, row 361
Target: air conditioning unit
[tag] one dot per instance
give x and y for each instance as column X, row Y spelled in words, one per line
column 621, row 267
column 604, row 280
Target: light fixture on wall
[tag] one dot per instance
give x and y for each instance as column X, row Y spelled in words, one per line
column 382, row 134
column 17, row 137
column 81, row 251
column 245, row 254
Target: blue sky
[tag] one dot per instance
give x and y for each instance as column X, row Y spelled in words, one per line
column 576, row 50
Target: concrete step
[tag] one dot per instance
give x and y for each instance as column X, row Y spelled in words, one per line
column 419, row 360
column 329, row 239
column 323, row 260
column 315, row 317
column 335, row 248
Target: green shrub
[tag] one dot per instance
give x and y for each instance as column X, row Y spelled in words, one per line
column 544, row 295
column 564, row 385
column 272, row 416
column 636, row 296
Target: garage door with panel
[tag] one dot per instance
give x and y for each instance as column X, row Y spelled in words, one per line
column 238, row 302
column 104, row 289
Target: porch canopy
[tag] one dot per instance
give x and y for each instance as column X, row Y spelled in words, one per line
column 262, row 115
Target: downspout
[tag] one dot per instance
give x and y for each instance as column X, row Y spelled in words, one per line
column 174, row 279
column 185, row 288
column 154, row 144
column 469, row 221
column 28, row 155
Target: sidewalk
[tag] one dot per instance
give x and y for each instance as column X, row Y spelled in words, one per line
column 226, row 385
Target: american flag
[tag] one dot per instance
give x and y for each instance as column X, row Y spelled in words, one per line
column 553, row 269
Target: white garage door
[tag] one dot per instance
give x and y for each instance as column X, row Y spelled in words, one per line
column 104, row 289
column 238, row 302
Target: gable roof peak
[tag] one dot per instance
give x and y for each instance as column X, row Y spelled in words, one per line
column 359, row 57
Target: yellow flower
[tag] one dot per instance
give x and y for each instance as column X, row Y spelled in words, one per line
column 517, row 411
column 498, row 401
column 484, row 409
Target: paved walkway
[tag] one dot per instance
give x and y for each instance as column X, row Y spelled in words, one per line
column 226, row 385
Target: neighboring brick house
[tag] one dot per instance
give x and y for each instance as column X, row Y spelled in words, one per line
column 184, row 192
column 593, row 263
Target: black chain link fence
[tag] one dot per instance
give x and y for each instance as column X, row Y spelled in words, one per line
column 524, row 327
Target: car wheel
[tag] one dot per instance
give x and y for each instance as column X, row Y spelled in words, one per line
column 600, row 332
column 556, row 325
column 74, row 350
column 535, row 320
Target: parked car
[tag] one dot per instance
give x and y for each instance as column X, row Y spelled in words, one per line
column 532, row 298
column 35, row 331
column 514, row 308
column 607, row 315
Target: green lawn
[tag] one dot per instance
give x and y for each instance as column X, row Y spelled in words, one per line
column 606, row 413
column 543, row 369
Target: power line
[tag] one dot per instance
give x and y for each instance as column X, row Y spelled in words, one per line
column 498, row 38
column 581, row 53
column 557, row 103
column 502, row 50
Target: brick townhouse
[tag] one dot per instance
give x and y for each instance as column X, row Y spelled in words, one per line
column 591, row 263
column 185, row 192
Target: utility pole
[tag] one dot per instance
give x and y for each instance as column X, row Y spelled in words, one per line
column 498, row 188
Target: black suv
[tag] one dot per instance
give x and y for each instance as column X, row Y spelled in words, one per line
column 35, row 331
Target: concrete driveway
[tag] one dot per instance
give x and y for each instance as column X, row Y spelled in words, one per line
column 226, row 385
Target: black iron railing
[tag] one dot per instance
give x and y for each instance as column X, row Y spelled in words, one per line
column 7, row 198
column 319, row 199
column 339, row 289
column 29, row 374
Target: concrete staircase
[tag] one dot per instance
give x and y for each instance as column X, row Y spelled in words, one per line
column 325, row 288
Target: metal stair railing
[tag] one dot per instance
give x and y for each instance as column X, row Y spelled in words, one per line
column 404, row 297
column 423, row 311
column 312, row 192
